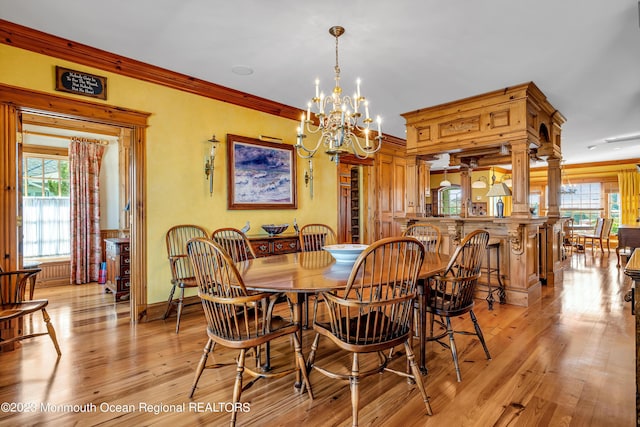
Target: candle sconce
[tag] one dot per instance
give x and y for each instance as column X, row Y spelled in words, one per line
column 209, row 160
column 308, row 178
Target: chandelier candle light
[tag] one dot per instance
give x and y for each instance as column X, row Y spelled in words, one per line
column 338, row 120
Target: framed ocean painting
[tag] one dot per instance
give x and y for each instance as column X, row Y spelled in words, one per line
column 261, row 175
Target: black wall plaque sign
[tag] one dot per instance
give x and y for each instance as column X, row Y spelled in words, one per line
column 81, row 83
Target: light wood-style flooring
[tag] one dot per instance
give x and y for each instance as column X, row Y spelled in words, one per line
column 566, row 361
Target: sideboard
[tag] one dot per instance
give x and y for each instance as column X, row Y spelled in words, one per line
column 265, row 245
column 118, row 267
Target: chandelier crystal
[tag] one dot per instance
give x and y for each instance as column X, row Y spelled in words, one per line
column 340, row 120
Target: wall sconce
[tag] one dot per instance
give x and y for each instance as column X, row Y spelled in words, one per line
column 508, row 180
column 308, row 178
column 480, row 183
column 208, row 162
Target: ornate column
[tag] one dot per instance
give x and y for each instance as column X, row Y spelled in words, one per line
column 554, row 183
column 520, row 174
column 465, row 186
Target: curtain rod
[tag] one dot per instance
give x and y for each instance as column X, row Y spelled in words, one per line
column 50, row 135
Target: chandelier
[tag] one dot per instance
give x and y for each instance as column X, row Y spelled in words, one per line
column 340, row 120
column 565, row 184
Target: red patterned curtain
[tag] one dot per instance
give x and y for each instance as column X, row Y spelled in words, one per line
column 84, row 164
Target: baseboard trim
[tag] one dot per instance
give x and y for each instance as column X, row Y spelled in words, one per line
column 156, row 310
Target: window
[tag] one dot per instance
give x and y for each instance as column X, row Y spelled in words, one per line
column 449, row 200
column 45, row 208
column 583, row 203
column 534, row 202
column 613, row 205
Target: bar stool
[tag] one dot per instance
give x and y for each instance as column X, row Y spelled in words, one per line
column 494, row 244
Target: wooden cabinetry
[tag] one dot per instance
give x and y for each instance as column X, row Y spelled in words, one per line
column 274, row 245
column 355, row 206
column 390, row 178
column 118, row 267
column 344, row 203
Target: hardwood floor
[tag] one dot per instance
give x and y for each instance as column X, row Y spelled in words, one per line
column 568, row 360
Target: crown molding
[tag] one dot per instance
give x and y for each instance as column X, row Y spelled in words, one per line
column 46, row 44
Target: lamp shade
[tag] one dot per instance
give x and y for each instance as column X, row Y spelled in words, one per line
column 445, row 182
column 499, row 190
column 480, row 183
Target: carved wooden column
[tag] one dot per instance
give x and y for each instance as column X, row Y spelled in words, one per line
column 520, row 172
column 465, row 186
column 554, row 182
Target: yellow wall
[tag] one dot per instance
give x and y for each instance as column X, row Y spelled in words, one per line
column 179, row 126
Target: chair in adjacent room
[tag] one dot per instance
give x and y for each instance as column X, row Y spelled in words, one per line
column 314, row 236
column 602, row 232
column 373, row 314
column 427, row 234
column 234, row 242
column 14, row 307
column 568, row 236
column 233, row 321
column 451, row 294
column 181, row 271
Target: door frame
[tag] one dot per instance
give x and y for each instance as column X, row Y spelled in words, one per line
column 14, row 100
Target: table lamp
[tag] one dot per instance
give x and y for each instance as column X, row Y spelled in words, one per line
column 498, row 190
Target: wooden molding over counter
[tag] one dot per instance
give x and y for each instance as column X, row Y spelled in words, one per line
column 477, row 124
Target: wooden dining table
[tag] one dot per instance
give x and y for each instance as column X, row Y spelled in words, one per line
column 300, row 273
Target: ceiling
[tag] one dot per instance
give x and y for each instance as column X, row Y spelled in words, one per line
column 584, row 55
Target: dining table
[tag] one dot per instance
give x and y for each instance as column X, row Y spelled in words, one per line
column 300, row 273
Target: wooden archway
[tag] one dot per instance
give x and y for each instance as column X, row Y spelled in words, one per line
column 13, row 101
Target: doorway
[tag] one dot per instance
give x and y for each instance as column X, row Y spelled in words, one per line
column 15, row 102
column 46, row 222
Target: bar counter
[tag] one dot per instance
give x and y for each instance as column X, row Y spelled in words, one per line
column 530, row 250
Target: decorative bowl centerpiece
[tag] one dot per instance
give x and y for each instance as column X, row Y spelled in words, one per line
column 346, row 253
column 274, row 229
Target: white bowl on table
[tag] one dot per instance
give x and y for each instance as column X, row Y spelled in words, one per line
column 345, row 253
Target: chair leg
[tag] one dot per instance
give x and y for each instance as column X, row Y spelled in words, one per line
column 51, row 331
column 203, row 361
column 417, row 376
column 301, row 365
column 237, row 388
column 476, row 325
column 354, row 380
column 179, row 311
column 305, row 320
column 170, row 302
column 454, row 351
column 312, row 352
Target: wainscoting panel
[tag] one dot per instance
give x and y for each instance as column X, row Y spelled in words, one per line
column 54, row 273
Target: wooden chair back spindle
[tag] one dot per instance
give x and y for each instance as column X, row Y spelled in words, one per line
column 314, row 236
column 429, row 235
